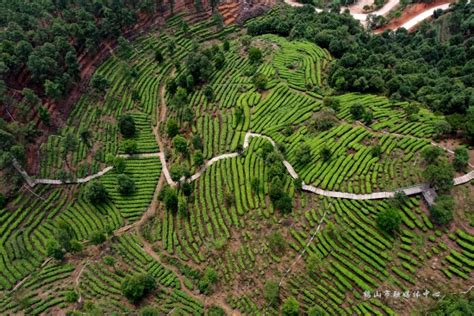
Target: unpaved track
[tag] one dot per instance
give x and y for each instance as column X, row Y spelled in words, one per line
column 389, row 6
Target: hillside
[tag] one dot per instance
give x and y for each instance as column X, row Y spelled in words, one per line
column 295, row 164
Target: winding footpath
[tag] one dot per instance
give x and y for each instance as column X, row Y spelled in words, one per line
column 411, row 190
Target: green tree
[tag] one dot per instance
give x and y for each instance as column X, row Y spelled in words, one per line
column 215, row 311
column 276, row 242
column 86, row 136
column 260, row 81
column 97, row 238
column 127, row 126
column 53, row 89
column 389, row 220
column 119, row 164
column 135, row 287
column 170, row 198
column 325, row 153
column 198, row 158
column 255, row 55
column 453, row 305
column 196, row 141
column 68, row 145
column 332, row 102
column 440, row 176
column 442, row 210
column 125, row 184
column 303, row 154
column 95, row 192
column 71, row 296
column 180, row 144
column 290, row 307
column 3, row 201
column 44, row 116
column 159, row 56
column 181, row 97
column 130, row 146
column 461, row 159
column 172, row 128
column 54, row 250
column 149, row 311
column 376, row 151
column 99, row 83
column 206, row 283
column 255, row 185
column 431, row 154
column 271, row 293
column 226, row 45
column 357, row 111
column 209, row 93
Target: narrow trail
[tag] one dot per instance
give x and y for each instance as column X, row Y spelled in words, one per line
column 410, row 190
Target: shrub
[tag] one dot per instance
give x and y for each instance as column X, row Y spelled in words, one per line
column 135, row 287
column 96, row 192
column 389, row 220
column 126, row 185
column 271, row 293
column 127, row 126
column 290, row 307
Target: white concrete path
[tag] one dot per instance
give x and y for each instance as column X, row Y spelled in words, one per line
column 412, row 190
column 390, row 5
column 423, row 16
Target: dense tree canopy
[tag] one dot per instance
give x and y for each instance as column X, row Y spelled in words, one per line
column 427, row 65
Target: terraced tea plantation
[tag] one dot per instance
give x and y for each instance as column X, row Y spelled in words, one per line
column 170, row 230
